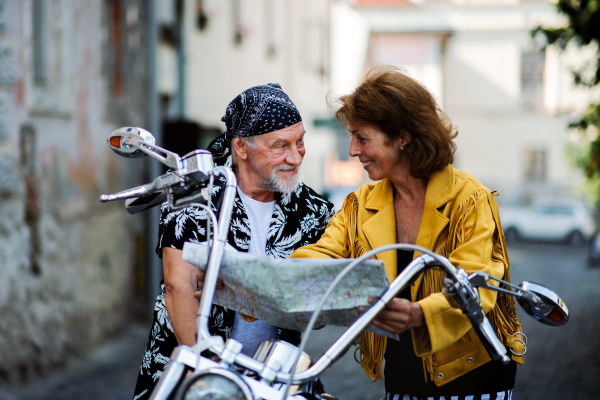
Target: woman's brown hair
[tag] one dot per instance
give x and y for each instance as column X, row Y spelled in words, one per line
column 391, row 101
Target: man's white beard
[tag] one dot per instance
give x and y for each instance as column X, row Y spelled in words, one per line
column 283, row 185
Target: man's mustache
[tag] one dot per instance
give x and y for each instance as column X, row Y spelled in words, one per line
column 285, row 167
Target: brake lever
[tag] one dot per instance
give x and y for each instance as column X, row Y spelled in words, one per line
column 481, row 279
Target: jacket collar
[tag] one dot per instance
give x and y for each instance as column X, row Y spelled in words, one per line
column 380, row 229
column 377, row 229
column 381, row 196
column 440, row 190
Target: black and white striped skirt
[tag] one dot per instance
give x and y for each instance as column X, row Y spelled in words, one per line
column 503, row 395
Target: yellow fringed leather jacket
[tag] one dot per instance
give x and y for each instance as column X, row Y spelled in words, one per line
column 461, row 222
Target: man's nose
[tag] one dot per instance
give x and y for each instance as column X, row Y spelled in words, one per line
column 295, row 156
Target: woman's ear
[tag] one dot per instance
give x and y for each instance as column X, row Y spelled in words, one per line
column 239, row 148
column 405, row 139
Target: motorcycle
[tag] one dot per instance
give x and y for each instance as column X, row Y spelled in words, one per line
column 279, row 370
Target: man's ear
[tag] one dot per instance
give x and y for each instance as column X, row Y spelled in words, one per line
column 239, row 147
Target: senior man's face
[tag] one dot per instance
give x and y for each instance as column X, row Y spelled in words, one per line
column 277, row 158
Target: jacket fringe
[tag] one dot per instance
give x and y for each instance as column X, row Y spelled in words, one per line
column 503, row 317
column 372, row 346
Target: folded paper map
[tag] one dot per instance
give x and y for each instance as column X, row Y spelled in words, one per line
column 286, row 292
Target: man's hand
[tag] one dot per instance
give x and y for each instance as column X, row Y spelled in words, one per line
column 200, row 275
column 398, row 315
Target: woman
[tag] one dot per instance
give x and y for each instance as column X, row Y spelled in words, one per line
column 405, row 142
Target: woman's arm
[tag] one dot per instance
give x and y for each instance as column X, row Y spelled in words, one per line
column 331, row 243
column 476, row 244
column 180, row 284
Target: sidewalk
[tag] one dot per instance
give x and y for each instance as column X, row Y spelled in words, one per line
column 108, row 372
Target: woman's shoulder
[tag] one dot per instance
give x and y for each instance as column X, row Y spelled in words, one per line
column 465, row 181
column 467, row 188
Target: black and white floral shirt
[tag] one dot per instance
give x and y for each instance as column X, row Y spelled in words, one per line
column 299, row 218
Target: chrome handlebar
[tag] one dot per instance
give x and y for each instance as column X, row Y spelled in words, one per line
column 186, row 181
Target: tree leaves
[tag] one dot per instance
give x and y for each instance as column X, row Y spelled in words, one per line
column 582, row 29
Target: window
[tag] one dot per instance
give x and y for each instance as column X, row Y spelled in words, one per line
column 271, row 48
column 535, row 165
column 40, row 36
column 557, row 210
column 115, row 47
column 532, row 79
column 51, row 71
column 236, row 14
column 3, row 16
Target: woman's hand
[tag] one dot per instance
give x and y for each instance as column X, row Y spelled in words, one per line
column 200, row 275
column 398, row 315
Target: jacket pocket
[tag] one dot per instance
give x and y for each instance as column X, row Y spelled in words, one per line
column 456, row 360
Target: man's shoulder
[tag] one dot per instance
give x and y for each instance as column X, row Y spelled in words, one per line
column 306, row 200
column 306, row 191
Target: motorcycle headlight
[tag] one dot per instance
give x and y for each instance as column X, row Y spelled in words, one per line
column 214, row 384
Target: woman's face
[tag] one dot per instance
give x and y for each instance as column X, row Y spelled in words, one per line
column 379, row 156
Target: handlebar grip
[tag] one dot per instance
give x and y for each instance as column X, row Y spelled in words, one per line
column 491, row 342
column 129, row 193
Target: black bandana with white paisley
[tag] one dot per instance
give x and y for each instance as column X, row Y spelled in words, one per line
column 257, row 110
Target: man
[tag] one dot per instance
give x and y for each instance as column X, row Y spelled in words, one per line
column 274, row 214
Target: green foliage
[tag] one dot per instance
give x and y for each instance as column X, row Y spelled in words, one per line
column 582, row 29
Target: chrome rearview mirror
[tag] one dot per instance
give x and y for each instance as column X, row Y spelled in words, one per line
column 127, row 141
column 133, row 142
column 185, row 182
column 542, row 304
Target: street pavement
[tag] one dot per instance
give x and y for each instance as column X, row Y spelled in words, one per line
column 106, row 373
column 561, row 362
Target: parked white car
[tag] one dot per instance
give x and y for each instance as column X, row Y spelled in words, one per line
column 554, row 219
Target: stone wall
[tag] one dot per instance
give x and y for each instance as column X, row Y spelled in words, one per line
column 70, row 73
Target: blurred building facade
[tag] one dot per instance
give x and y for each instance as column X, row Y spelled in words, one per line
column 224, row 47
column 70, row 73
column 510, row 98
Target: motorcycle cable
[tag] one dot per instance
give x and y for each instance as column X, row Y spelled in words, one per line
column 312, row 321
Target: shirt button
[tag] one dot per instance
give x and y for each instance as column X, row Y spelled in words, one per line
column 469, row 359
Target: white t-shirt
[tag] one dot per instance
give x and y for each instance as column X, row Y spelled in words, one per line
column 251, row 334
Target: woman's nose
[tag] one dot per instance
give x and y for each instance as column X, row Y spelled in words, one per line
column 353, row 151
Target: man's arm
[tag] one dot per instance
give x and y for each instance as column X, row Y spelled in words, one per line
column 180, row 284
